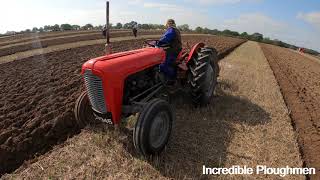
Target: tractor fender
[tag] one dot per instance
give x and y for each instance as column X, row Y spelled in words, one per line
column 194, row 50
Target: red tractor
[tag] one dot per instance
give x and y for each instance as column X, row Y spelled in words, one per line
column 122, row 84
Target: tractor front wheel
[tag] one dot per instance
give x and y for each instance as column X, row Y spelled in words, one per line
column 83, row 111
column 153, row 127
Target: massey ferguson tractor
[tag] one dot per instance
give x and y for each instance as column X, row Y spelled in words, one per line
column 122, row 84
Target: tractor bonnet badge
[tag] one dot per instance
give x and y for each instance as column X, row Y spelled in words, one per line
column 108, row 121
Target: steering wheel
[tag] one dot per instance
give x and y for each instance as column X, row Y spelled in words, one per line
column 153, row 43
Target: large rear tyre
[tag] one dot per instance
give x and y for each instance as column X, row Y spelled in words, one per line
column 153, row 128
column 204, row 71
column 83, row 111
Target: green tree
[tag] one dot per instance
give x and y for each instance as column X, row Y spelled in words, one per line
column 87, row 27
column 234, row 33
column 130, row 25
column 75, row 27
column 118, row 26
column 56, row 27
column 226, row 32
column 199, row 29
column 215, row 32
column 244, row 34
column 47, row 28
column 35, row 29
column 206, row 30
column 144, row 26
column 257, row 37
column 184, row 27
column 66, row 27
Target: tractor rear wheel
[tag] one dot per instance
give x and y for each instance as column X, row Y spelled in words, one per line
column 204, row 71
column 153, row 127
column 83, row 111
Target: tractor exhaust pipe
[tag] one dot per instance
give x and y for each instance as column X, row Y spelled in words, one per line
column 108, row 48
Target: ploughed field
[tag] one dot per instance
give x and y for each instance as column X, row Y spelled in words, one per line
column 299, row 79
column 37, row 96
column 25, row 37
column 43, row 41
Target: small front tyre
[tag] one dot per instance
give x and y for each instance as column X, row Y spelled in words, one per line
column 153, row 128
column 83, row 111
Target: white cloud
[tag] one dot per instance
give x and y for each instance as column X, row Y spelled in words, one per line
column 180, row 13
column 256, row 22
column 163, row 6
column 218, row 1
column 135, row 2
column 221, row 2
column 312, row 18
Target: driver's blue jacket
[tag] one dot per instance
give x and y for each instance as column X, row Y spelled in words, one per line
column 167, row 37
column 167, row 66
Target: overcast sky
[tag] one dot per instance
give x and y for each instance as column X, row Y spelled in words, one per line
column 293, row 21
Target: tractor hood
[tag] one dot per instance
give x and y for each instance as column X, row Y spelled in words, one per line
column 125, row 63
column 107, row 74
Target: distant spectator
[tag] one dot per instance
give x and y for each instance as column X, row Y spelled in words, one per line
column 135, row 30
column 104, row 31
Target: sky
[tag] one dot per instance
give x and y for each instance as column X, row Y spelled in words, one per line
column 293, row 21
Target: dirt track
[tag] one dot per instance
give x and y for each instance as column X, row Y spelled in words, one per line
column 247, row 125
column 299, row 78
column 37, row 97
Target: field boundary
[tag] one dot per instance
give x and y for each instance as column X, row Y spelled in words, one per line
column 293, row 124
column 228, row 51
column 61, row 47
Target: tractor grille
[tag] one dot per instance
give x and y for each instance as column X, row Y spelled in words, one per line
column 95, row 92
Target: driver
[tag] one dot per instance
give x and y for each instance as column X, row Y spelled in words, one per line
column 172, row 38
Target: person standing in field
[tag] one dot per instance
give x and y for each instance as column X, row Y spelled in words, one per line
column 135, row 30
column 104, row 31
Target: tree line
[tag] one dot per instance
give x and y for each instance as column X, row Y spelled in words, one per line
column 253, row 37
column 184, row 27
column 70, row 27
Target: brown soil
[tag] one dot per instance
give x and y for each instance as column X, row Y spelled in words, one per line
column 37, row 97
column 30, row 36
column 299, row 79
column 61, row 47
column 43, row 43
column 35, row 36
